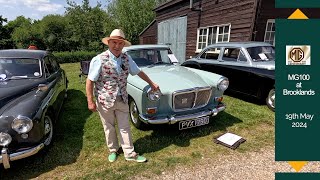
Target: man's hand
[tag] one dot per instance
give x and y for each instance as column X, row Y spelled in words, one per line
column 154, row 86
column 89, row 91
column 92, row 106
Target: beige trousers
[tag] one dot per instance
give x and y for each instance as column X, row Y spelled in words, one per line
column 119, row 112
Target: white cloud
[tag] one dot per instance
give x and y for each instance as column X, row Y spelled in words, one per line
column 42, row 5
column 34, row 9
column 6, row 2
column 38, row 5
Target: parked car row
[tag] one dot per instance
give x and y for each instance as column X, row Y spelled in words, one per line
column 33, row 87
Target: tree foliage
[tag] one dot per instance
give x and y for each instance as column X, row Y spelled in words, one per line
column 132, row 16
column 55, row 32
column 5, row 38
column 86, row 25
column 82, row 26
column 23, row 33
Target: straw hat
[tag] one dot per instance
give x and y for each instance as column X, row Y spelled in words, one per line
column 118, row 35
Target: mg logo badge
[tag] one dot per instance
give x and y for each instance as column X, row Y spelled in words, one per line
column 184, row 101
column 298, row 55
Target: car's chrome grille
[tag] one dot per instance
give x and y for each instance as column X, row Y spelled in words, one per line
column 191, row 98
column 203, row 97
column 185, row 100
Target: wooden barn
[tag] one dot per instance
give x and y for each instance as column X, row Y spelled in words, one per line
column 190, row 25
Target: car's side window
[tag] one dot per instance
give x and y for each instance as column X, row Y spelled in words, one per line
column 231, row 54
column 49, row 69
column 242, row 57
column 54, row 63
column 211, row 54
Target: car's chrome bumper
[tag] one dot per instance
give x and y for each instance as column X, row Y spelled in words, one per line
column 5, row 158
column 175, row 119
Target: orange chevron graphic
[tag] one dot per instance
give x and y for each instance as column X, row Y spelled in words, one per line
column 297, row 165
column 297, row 14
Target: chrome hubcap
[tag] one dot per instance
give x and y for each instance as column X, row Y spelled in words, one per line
column 271, row 99
column 47, row 127
column 48, row 130
column 134, row 112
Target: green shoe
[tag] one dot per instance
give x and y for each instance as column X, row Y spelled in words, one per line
column 112, row 157
column 137, row 158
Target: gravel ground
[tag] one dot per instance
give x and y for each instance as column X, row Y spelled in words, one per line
column 239, row 166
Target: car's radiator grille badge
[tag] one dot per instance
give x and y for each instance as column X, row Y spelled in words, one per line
column 191, row 99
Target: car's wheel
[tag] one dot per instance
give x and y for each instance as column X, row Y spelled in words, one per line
column 48, row 130
column 134, row 115
column 66, row 95
column 271, row 99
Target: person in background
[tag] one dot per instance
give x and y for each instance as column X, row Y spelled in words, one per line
column 33, row 47
column 107, row 80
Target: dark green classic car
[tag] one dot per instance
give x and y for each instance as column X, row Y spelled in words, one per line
column 32, row 90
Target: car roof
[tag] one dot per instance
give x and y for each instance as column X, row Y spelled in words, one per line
column 146, row 46
column 23, row 53
column 241, row 44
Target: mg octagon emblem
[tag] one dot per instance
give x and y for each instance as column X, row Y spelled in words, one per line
column 184, row 101
column 296, row 54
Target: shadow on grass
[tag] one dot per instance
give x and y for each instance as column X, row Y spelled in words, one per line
column 247, row 98
column 65, row 147
column 165, row 135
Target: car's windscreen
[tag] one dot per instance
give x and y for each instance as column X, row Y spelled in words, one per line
column 146, row 57
column 16, row 68
column 262, row 53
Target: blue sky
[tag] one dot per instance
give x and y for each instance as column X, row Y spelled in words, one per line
column 35, row 9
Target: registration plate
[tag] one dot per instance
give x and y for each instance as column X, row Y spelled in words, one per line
column 193, row 123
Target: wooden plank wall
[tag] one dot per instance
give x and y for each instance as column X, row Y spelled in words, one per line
column 239, row 13
column 149, row 36
column 267, row 11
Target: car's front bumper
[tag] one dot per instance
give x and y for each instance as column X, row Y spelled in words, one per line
column 175, row 119
column 5, row 158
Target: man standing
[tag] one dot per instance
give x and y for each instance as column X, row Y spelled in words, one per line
column 107, row 78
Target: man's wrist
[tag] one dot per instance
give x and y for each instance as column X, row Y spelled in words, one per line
column 90, row 100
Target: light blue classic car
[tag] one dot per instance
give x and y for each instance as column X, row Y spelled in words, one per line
column 187, row 96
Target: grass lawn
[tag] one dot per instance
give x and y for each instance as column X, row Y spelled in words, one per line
column 79, row 149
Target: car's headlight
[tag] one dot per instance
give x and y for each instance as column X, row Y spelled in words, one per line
column 154, row 95
column 22, row 124
column 5, row 139
column 223, row 84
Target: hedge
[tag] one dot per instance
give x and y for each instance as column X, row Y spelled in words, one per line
column 71, row 57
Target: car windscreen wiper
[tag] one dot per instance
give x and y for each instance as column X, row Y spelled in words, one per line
column 16, row 77
column 159, row 62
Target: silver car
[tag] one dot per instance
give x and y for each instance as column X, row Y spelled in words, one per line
column 249, row 66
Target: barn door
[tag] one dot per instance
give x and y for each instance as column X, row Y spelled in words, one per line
column 173, row 32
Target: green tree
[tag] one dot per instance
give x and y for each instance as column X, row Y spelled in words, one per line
column 5, row 35
column 130, row 15
column 54, row 32
column 86, row 25
column 21, row 34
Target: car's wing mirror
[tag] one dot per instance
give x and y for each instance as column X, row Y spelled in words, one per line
column 42, row 87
